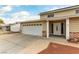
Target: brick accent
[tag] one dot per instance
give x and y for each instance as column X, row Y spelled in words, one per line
column 74, row 34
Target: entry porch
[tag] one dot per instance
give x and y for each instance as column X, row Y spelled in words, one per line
column 58, row 28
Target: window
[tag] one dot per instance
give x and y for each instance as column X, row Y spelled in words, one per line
column 40, row 24
column 27, row 24
column 51, row 15
column 62, row 29
column 30, row 24
column 77, row 11
column 52, row 28
column 23, row 24
column 37, row 24
column 34, row 24
column 56, row 28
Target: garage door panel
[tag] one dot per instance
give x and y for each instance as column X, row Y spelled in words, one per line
column 32, row 30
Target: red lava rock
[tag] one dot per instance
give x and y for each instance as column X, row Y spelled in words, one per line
column 55, row 48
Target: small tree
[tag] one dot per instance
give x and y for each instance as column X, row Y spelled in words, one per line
column 1, row 21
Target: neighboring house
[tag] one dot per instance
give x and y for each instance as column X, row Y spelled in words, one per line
column 60, row 22
column 15, row 27
column 5, row 27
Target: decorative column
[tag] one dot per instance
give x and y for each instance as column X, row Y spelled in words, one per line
column 67, row 28
column 47, row 29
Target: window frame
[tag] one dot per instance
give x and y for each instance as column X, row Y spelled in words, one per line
column 77, row 11
column 50, row 15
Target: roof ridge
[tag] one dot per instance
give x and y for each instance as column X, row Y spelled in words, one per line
column 60, row 9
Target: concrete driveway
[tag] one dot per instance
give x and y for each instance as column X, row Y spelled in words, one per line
column 19, row 43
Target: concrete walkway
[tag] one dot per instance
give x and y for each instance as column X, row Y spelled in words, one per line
column 19, row 43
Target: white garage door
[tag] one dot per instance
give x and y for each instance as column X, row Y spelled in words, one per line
column 32, row 30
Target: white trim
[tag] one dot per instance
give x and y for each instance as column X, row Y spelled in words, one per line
column 47, row 29
column 67, row 28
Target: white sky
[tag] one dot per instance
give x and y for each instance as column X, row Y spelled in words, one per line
column 40, row 2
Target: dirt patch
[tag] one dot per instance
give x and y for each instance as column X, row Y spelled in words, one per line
column 55, row 48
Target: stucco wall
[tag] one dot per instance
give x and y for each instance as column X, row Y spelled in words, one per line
column 74, row 25
column 42, row 17
column 44, row 29
column 64, row 13
column 44, row 26
column 60, row 14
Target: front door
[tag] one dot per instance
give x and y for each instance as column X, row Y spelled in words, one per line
column 56, row 28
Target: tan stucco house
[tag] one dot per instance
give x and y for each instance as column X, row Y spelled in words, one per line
column 62, row 22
